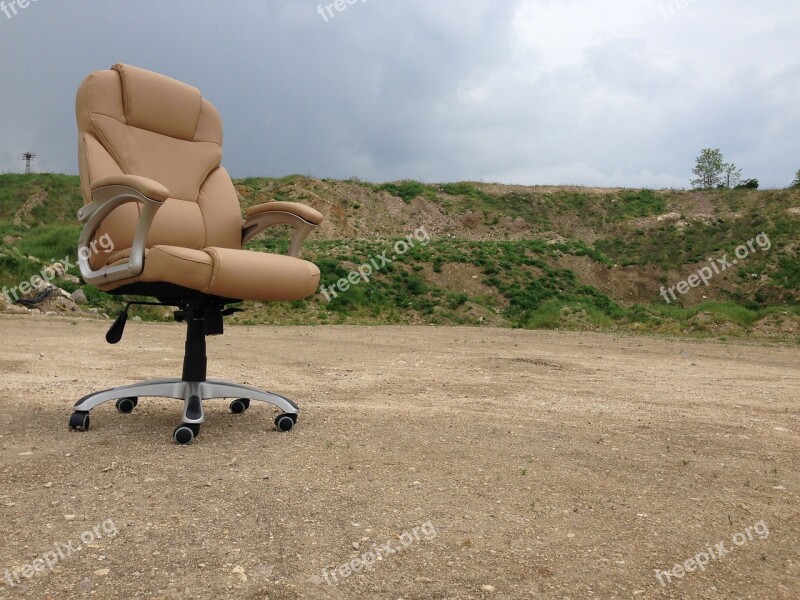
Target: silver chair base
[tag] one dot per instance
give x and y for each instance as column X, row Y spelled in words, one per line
column 192, row 393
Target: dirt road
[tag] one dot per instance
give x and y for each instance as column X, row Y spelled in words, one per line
column 427, row 463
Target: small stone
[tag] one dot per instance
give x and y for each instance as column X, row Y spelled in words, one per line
column 67, row 304
column 488, row 588
column 356, row 546
column 78, row 297
column 49, row 484
column 423, row 580
column 102, row 572
column 86, row 586
column 69, row 517
column 18, row 310
column 264, row 570
column 137, row 319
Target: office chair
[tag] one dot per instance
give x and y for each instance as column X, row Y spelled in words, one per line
column 154, row 191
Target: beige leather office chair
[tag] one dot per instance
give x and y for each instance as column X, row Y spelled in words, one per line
column 149, row 153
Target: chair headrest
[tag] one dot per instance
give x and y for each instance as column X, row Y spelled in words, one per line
column 159, row 103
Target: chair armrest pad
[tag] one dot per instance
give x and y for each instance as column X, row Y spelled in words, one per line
column 143, row 185
column 301, row 210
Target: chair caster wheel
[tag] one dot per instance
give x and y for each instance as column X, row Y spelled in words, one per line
column 185, row 433
column 126, row 405
column 239, row 406
column 79, row 421
column 285, row 422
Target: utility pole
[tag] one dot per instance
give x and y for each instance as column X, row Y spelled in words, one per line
column 28, row 157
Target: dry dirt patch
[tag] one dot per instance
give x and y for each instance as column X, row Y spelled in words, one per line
column 550, row 465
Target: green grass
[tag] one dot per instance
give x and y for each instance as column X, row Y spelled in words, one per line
column 407, row 190
column 519, row 283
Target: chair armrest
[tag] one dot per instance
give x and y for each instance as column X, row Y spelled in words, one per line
column 109, row 193
column 301, row 210
column 143, row 185
column 303, row 218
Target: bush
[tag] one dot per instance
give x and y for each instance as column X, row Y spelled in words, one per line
column 407, row 190
column 748, row 184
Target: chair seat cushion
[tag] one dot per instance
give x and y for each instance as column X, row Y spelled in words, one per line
column 226, row 272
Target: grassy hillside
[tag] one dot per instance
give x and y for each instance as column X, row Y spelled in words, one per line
column 492, row 254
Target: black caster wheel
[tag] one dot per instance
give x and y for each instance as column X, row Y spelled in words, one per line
column 285, row 422
column 239, row 406
column 79, row 421
column 185, row 433
column 126, row 405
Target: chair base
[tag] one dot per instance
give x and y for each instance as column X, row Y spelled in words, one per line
column 203, row 317
column 192, row 393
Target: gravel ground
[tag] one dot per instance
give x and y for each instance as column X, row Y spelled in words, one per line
column 427, row 463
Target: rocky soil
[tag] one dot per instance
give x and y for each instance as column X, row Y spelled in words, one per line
column 494, row 463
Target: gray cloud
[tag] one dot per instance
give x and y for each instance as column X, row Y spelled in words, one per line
column 624, row 92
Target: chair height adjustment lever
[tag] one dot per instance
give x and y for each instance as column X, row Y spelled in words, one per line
column 114, row 334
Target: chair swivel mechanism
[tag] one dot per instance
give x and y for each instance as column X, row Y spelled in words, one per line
column 162, row 220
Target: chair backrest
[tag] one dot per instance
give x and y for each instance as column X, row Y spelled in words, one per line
column 138, row 122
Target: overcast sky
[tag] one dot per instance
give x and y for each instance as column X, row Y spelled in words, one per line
column 607, row 93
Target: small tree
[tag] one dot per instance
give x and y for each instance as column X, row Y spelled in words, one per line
column 731, row 176
column 796, row 182
column 708, row 168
